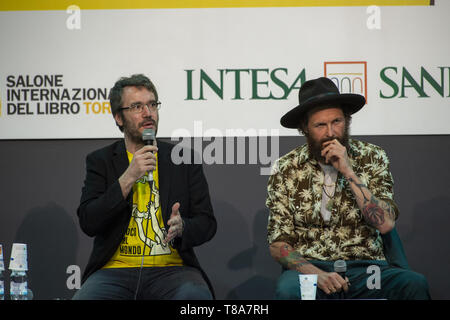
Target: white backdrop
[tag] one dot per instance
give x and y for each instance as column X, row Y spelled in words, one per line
column 396, row 51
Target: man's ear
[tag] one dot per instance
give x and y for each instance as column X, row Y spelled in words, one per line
column 304, row 127
column 118, row 118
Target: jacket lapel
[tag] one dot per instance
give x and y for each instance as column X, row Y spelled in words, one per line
column 121, row 163
column 164, row 174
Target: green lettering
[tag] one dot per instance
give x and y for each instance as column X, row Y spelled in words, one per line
column 204, row 78
column 425, row 75
column 279, row 83
column 255, row 84
column 189, row 84
column 237, row 81
column 412, row 84
column 300, row 78
column 389, row 82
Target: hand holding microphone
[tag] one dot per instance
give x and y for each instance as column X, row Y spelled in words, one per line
column 332, row 282
column 340, row 267
column 144, row 160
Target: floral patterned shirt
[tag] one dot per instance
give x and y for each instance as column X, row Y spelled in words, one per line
column 294, row 200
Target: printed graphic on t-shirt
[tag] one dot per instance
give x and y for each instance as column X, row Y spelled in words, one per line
column 149, row 229
column 146, row 231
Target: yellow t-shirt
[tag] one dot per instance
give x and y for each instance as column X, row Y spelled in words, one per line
column 145, row 231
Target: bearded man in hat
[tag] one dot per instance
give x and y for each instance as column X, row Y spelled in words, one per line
column 332, row 199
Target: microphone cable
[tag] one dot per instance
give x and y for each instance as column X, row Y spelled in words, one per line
column 148, row 136
column 150, row 183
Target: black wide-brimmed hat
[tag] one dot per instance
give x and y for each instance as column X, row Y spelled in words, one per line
column 318, row 92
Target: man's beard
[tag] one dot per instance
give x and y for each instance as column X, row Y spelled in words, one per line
column 315, row 147
column 132, row 131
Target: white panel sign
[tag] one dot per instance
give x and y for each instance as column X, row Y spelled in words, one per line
column 237, row 70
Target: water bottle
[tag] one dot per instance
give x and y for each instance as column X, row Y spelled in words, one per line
column 2, row 275
column 2, row 285
column 18, row 264
column 19, row 285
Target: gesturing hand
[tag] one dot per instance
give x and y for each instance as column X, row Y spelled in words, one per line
column 175, row 223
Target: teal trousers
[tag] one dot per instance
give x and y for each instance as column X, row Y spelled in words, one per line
column 393, row 283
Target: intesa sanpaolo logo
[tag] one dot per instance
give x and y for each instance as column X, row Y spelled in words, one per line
column 349, row 76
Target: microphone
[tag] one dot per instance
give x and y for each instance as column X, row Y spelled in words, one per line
column 148, row 136
column 340, row 267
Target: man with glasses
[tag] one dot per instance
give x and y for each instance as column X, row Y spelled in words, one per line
column 145, row 212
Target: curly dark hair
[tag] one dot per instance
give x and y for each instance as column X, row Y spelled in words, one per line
column 135, row 80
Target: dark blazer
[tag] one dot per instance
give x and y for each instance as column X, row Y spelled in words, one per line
column 104, row 213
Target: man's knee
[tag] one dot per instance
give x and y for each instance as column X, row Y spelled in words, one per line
column 414, row 286
column 288, row 286
column 193, row 291
column 419, row 286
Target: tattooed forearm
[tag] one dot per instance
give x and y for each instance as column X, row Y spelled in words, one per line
column 360, row 186
column 372, row 213
column 373, row 210
column 291, row 259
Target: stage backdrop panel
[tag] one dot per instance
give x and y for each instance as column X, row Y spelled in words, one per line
column 41, row 188
column 231, row 65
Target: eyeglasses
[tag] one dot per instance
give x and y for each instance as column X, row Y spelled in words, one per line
column 138, row 107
